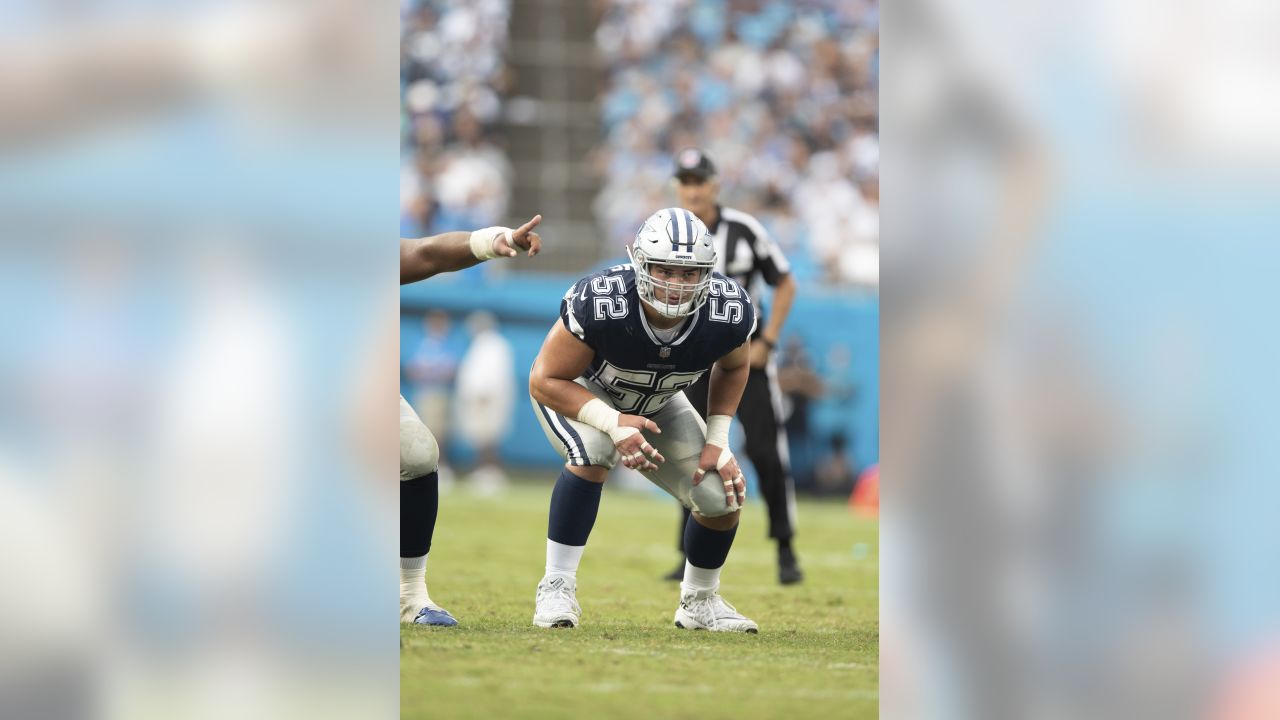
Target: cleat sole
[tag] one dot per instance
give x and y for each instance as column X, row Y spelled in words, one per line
column 752, row 631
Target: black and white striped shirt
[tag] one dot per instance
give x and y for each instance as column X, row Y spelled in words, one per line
column 747, row 253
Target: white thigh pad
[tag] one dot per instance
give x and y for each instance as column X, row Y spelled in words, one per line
column 419, row 454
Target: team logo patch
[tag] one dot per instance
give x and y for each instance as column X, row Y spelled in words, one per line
column 689, row 158
column 665, row 352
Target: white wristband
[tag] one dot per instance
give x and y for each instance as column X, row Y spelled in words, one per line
column 718, row 430
column 484, row 242
column 599, row 415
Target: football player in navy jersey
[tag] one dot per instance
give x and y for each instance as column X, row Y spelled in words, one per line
column 419, row 480
column 606, row 386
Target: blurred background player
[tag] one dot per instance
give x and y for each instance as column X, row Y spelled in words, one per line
column 486, row 400
column 746, row 253
column 629, row 339
column 419, row 453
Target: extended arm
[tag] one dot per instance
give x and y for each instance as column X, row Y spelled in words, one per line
column 446, row 252
column 424, row 257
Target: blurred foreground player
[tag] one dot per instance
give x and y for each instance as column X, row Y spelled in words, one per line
column 629, row 340
column 746, row 253
column 419, row 454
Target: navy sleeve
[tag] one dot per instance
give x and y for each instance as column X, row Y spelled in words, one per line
column 573, row 309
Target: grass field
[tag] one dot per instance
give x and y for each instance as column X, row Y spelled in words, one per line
column 815, row 656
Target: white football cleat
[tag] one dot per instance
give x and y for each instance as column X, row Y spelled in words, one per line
column 557, row 603
column 706, row 610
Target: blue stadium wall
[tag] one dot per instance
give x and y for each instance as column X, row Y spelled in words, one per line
column 829, row 324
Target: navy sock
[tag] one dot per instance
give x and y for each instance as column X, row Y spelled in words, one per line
column 574, row 504
column 707, row 548
column 419, row 503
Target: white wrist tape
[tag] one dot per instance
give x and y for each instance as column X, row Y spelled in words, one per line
column 718, row 430
column 599, row 415
column 484, row 242
column 718, row 435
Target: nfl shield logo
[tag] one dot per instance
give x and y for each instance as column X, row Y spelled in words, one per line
column 665, row 352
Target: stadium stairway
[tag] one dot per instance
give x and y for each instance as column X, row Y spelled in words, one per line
column 552, row 122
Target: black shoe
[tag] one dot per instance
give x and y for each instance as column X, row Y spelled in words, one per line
column 675, row 575
column 789, row 572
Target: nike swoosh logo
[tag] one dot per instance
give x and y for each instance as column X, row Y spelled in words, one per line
column 583, row 296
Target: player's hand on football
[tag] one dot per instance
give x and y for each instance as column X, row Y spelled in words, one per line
column 723, row 462
column 523, row 238
column 634, row 450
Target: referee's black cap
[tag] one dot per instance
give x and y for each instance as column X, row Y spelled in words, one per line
column 693, row 163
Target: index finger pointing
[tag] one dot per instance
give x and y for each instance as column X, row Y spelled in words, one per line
column 520, row 231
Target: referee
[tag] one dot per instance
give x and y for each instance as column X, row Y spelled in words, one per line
column 746, row 253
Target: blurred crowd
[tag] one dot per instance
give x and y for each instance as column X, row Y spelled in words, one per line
column 452, row 79
column 784, row 98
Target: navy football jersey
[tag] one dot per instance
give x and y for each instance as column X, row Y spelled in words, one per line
column 639, row 370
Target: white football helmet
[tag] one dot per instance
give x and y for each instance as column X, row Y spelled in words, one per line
column 673, row 236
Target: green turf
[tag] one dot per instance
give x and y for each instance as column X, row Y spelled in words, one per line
column 815, row 656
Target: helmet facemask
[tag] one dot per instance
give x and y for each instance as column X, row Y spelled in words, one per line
column 672, row 299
